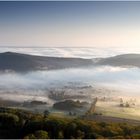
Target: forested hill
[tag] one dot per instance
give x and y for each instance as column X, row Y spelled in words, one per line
column 19, row 124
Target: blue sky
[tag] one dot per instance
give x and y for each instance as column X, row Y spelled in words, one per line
column 100, row 24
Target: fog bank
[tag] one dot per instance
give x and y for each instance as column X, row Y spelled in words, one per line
column 38, row 83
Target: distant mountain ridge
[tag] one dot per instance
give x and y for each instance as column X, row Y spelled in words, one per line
column 24, row 62
column 121, row 60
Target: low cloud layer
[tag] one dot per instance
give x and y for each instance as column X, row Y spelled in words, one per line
column 84, row 52
column 35, row 83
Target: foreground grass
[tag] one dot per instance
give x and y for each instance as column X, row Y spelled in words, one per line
column 19, row 124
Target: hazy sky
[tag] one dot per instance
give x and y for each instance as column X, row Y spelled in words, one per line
column 103, row 24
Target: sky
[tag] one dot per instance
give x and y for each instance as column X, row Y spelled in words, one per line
column 70, row 24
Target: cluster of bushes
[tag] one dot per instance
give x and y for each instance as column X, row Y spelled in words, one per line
column 22, row 124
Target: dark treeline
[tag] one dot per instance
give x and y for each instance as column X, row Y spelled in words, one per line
column 18, row 124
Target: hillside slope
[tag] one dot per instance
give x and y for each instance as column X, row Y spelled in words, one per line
column 121, row 60
column 24, row 62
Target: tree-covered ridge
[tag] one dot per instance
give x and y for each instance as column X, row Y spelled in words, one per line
column 23, row 124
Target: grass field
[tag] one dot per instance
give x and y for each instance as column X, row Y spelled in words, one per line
column 109, row 109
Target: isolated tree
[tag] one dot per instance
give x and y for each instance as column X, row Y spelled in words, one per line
column 41, row 134
column 46, row 113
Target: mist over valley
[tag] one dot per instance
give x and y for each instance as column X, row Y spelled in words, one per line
column 109, row 79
